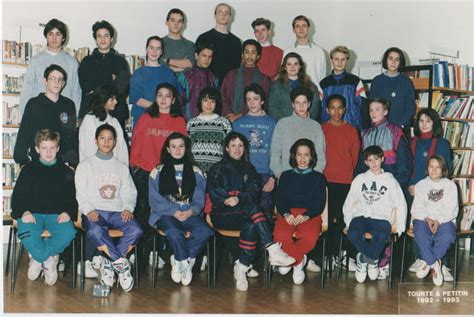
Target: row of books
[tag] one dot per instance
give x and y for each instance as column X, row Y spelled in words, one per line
column 135, row 61
column 9, row 140
column 21, row 53
column 467, row 214
column 12, row 84
column 459, row 107
column 7, row 206
column 458, row 133
column 463, row 163
column 453, row 76
column 10, row 173
column 466, row 189
column 11, row 113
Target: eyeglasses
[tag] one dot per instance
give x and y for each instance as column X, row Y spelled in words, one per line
column 58, row 80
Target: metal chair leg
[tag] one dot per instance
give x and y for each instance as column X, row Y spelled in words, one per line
column 153, row 265
column 455, row 271
column 10, row 238
column 137, row 265
column 74, row 270
column 339, row 266
column 402, row 265
column 323, row 264
column 13, row 262
column 392, row 253
column 83, row 269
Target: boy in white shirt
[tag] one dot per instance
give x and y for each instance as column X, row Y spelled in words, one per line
column 107, row 196
column 370, row 205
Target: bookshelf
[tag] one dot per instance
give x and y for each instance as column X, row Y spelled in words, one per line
column 449, row 89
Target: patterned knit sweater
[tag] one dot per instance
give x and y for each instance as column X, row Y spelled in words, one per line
column 207, row 135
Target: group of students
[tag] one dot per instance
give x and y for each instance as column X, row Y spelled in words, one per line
column 232, row 140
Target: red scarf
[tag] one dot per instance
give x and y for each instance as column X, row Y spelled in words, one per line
column 427, row 135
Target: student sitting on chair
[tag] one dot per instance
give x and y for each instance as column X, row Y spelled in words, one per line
column 177, row 190
column 369, row 208
column 434, row 213
column 44, row 199
column 107, row 197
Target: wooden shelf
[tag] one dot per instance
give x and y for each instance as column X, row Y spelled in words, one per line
column 9, row 94
column 461, row 176
column 15, row 64
column 12, row 126
column 455, row 148
column 7, row 187
column 467, row 204
column 7, row 220
column 423, row 84
column 8, row 157
column 457, row 119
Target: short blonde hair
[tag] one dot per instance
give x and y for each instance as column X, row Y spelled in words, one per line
column 340, row 49
column 46, row 135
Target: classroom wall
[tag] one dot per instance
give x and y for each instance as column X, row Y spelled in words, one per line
column 366, row 27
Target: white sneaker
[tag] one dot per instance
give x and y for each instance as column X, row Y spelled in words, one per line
column 384, row 272
column 283, row 270
column 415, row 266
column 352, row 265
column 34, row 269
column 50, row 268
column 96, row 262
column 252, row 273
column 447, row 276
column 161, row 262
column 61, row 266
column 298, row 272
column 278, row 257
column 373, row 271
column 187, row 273
column 203, row 263
column 313, row 267
column 437, row 273
column 90, row 272
column 240, row 275
column 175, row 270
column 107, row 273
column 122, row 266
column 361, row 272
column 423, row 270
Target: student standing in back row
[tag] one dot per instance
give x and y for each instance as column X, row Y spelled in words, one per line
column 270, row 61
column 105, row 66
column 55, row 33
column 226, row 45
column 179, row 53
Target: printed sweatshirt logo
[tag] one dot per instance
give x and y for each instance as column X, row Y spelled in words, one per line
column 435, row 195
column 373, row 193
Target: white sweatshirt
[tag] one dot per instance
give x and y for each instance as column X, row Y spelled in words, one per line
column 437, row 200
column 376, row 196
column 87, row 146
column 105, row 185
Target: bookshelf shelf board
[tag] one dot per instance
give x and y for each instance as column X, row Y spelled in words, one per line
column 8, row 157
column 457, row 119
column 15, row 64
column 7, row 187
column 7, row 220
column 462, row 149
column 13, row 126
column 8, row 94
column 462, row 176
column 467, row 204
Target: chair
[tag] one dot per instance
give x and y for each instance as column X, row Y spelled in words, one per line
column 212, row 258
column 392, row 239
column 113, row 233
column 15, row 259
column 460, row 234
column 161, row 233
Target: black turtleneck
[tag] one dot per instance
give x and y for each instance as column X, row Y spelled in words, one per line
column 45, row 190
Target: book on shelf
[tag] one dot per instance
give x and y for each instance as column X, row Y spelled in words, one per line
column 467, row 214
column 135, row 61
column 466, row 189
column 7, row 206
column 12, row 84
column 20, row 52
column 463, row 163
column 456, row 107
column 80, row 53
column 11, row 113
column 9, row 140
column 458, row 133
column 10, row 173
column 453, row 76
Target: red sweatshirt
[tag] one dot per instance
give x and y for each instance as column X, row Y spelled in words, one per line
column 270, row 61
column 149, row 135
column 342, row 152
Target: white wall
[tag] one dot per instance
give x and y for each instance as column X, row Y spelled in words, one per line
column 366, row 27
